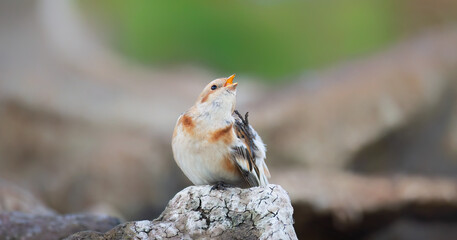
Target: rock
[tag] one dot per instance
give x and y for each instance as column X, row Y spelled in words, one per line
column 328, row 117
column 417, row 230
column 198, row 212
column 333, row 204
column 87, row 235
column 16, row 225
column 23, row 216
column 13, row 198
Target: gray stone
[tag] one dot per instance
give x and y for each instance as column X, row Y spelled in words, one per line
column 198, row 212
column 17, row 225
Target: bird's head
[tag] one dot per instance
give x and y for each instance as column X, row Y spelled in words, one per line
column 218, row 96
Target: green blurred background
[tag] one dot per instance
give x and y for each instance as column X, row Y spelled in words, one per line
column 269, row 39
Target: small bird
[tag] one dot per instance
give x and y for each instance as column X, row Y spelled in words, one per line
column 213, row 144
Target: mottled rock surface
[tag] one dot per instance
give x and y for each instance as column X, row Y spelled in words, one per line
column 17, row 225
column 198, row 212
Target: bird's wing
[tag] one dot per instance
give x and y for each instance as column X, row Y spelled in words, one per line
column 249, row 153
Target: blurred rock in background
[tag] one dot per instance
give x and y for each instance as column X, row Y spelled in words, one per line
column 13, row 198
column 87, row 129
column 23, row 216
column 339, row 205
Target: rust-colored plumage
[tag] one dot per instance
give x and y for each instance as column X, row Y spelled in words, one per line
column 225, row 134
column 187, row 123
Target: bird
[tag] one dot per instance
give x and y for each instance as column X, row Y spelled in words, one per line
column 213, row 144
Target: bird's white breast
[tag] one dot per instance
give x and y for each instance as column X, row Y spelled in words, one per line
column 199, row 158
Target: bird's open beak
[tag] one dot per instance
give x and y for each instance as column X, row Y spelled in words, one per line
column 229, row 82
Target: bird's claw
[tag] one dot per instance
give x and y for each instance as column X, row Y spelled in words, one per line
column 220, row 186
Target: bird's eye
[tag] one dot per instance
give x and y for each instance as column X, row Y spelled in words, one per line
column 213, row 87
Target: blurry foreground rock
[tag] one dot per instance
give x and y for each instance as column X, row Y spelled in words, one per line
column 198, row 212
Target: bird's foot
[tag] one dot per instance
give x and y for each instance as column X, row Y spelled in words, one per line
column 221, row 186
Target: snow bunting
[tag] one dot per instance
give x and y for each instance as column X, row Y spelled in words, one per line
column 213, row 144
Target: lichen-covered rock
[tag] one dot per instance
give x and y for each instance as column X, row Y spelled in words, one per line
column 198, row 212
column 24, row 226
